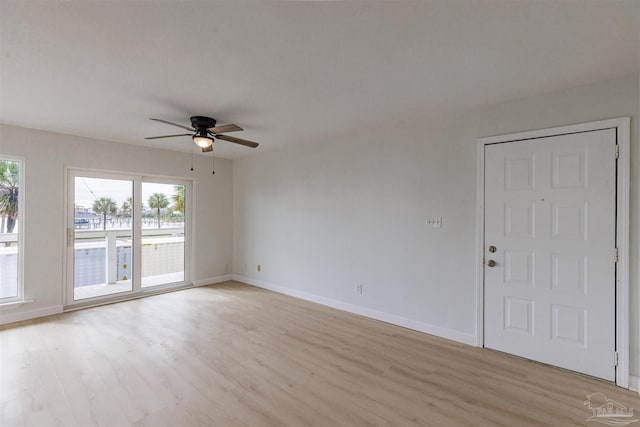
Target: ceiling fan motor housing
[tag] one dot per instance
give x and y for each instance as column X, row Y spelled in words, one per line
column 201, row 122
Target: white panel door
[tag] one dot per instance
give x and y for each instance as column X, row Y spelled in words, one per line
column 550, row 213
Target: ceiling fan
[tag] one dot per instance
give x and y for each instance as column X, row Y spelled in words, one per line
column 203, row 131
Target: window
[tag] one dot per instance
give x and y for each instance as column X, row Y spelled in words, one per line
column 11, row 225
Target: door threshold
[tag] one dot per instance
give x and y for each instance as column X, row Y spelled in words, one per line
column 107, row 301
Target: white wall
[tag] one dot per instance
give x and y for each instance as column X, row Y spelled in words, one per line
column 324, row 217
column 46, row 154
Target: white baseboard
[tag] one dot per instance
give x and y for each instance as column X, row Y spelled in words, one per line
column 6, row 317
column 212, row 280
column 439, row 331
column 634, row 382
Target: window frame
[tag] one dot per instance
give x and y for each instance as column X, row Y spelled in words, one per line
column 20, row 297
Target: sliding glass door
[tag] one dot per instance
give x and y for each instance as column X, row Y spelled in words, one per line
column 125, row 235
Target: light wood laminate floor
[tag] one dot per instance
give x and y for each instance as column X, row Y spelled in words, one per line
column 232, row 354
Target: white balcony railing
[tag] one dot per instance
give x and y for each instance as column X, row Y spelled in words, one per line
column 104, row 257
column 8, row 238
column 8, row 265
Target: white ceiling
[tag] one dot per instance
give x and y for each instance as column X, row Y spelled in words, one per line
column 294, row 72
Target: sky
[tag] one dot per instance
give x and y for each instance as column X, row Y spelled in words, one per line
column 89, row 190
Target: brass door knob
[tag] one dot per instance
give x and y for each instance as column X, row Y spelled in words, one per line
column 491, row 263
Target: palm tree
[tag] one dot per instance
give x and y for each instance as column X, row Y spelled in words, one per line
column 158, row 201
column 124, row 213
column 125, row 208
column 178, row 199
column 9, row 182
column 105, row 206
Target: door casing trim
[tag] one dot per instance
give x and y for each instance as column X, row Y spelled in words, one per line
column 622, row 125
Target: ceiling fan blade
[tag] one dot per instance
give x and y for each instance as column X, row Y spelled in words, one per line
column 168, row 136
column 207, row 149
column 225, row 128
column 237, row 140
column 174, row 124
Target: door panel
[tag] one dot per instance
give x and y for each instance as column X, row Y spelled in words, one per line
column 163, row 234
column 102, row 237
column 550, row 212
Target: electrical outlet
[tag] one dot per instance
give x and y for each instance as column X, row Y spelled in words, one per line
column 359, row 289
column 259, row 267
column 434, row 221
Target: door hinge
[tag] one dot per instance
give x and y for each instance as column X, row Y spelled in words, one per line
column 615, row 255
column 617, row 151
column 615, row 358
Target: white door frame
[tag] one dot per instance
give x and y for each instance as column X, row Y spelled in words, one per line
column 137, row 291
column 622, row 127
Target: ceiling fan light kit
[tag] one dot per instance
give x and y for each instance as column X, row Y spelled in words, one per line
column 202, row 140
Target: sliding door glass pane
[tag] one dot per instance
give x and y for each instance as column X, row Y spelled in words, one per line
column 103, row 223
column 9, row 228
column 162, row 234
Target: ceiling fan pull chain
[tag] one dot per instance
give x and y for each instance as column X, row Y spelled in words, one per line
column 213, row 165
column 192, row 158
